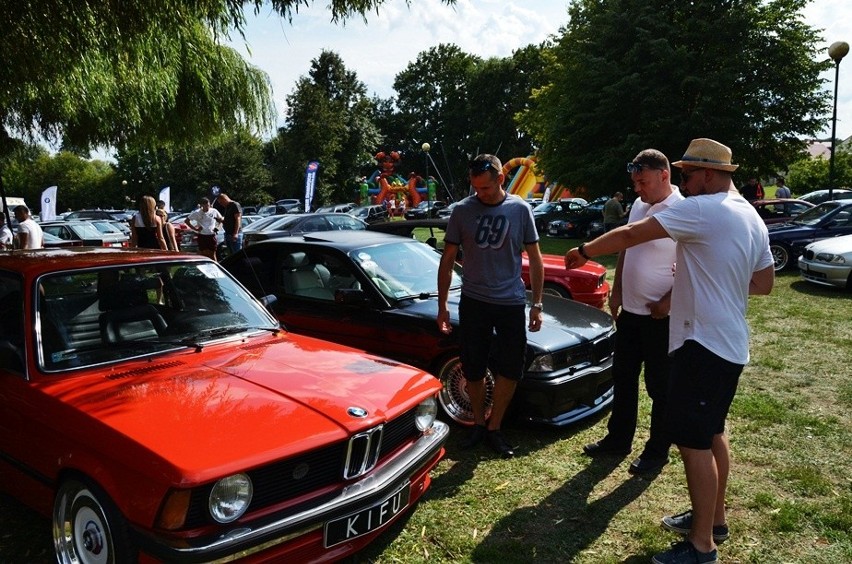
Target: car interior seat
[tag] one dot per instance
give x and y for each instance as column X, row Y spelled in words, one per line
column 300, row 277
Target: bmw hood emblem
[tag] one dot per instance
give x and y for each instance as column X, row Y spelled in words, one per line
column 358, row 412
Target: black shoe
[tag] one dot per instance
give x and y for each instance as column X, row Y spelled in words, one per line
column 646, row 465
column 475, row 437
column 602, row 448
column 682, row 524
column 497, row 442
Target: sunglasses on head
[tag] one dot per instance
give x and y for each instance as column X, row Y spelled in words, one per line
column 639, row 167
column 480, row 166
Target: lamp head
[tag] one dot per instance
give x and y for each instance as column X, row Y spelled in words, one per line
column 427, row 146
column 838, row 50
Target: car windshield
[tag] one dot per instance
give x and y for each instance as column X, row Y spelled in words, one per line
column 104, row 315
column 403, row 270
column 814, row 215
column 261, row 224
column 547, row 207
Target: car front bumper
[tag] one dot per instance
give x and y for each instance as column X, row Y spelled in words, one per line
column 301, row 536
column 825, row 274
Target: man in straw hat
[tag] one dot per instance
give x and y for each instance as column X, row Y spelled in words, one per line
column 722, row 257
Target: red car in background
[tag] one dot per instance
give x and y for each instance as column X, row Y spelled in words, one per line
column 586, row 284
column 158, row 412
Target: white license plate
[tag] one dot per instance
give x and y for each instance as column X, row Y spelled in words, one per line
column 367, row 520
column 551, row 231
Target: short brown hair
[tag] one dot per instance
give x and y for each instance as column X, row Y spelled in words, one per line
column 652, row 158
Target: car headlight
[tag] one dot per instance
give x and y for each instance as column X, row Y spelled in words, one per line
column 230, row 498
column 542, row 363
column 424, row 416
column 830, row 258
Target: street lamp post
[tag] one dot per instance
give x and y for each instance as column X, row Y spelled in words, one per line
column 426, row 147
column 836, row 51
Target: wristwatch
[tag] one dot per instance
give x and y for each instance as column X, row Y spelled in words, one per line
column 538, row 305
column 582, row 250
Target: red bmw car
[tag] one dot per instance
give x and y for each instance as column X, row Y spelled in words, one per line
column 156, row 411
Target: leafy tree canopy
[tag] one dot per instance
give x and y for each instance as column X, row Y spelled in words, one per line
column 630, row 75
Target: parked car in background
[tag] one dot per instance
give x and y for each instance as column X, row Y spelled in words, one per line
column 86, row 233
column 827, row 220
column 586, row 284
column 374, row 213
column 112, row 227
column 584, row 222
column 277, row 209
column 426, row 209
column 546, row 212
column 336, row 208
column 820, row 196
column 114, row 215
column 303, row 223
column 378, row 292
column 52, row 241
column 158, row 412
column 779, row 210
column 828, row 262
column 445, row 213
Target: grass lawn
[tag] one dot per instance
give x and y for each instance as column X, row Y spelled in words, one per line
column 790, row 494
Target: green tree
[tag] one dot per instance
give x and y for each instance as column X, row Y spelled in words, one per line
column 630, row 75
column 330, row 120
column 809, row 174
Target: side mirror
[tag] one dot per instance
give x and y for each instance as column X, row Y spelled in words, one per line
column 269, row 300
column 350, row 296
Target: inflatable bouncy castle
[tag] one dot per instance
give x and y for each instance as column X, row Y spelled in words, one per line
column 385, row 184
column 528, row 183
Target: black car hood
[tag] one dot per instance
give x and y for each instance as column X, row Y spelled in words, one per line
column 566, row 322
column 788, row 229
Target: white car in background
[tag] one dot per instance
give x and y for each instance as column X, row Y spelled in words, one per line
column 828, row 262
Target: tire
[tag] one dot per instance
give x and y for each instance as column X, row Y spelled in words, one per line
column 454, row 398
column 781, row 257
column 87, row 527
column 554, row 289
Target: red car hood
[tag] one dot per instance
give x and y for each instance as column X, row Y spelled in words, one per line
column 557, row 262
column 201, row 415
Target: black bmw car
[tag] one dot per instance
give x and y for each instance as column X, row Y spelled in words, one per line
column 378, row 292
column 788, row 240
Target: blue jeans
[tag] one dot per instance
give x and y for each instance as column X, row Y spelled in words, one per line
column 234, row 246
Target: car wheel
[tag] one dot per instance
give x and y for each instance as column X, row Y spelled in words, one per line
column 781, row 256
column 87, row 528
column 454, row 398
column 553, row 289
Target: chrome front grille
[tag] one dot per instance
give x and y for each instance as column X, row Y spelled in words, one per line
column 363, row 452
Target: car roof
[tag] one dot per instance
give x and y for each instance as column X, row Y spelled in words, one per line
column 343, row 240
column 35, row 262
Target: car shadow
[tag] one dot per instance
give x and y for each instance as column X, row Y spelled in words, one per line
column 810, row 289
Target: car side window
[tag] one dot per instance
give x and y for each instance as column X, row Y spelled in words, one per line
column 12, row 327
column 843, row 219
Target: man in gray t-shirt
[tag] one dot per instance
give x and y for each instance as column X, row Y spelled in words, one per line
column 493, row 229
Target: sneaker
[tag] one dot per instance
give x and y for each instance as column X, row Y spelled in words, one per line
column 645, row 465
column 497, row 442
column 684, row 552
column 475, row 437
column 682, row 524
column 603, row 448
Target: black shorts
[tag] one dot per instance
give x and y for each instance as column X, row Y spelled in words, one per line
column 492, row 336
column 701, row 389
column 206, row 242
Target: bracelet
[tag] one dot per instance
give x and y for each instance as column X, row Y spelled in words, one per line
column 582, row 251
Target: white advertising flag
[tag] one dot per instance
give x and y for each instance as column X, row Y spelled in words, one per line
column 48, row 204
column 165, row 195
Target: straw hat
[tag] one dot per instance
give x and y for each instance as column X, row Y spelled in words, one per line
column 706, row 153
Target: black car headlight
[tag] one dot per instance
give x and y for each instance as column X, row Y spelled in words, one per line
column 542, row 363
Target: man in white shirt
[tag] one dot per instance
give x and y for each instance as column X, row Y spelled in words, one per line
column 205, row 221
column 722, row 257
column 30, row 235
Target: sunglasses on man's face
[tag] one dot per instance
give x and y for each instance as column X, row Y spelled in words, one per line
column 639, row 167
column 480, row 166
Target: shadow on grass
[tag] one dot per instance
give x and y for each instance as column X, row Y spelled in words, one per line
column 565, row 523
column 811, row 289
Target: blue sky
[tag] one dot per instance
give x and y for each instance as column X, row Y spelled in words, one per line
column 391, row 39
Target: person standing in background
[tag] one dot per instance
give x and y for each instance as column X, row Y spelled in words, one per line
column 613, row 212
column 30, row 235
column 781, row 189
column 146, row 227
column 6, row 237
column 232, row 222
column 205, row 221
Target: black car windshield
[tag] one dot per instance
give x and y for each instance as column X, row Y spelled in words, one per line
column 104, row 315
column 815, row 215
column 402, row 270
